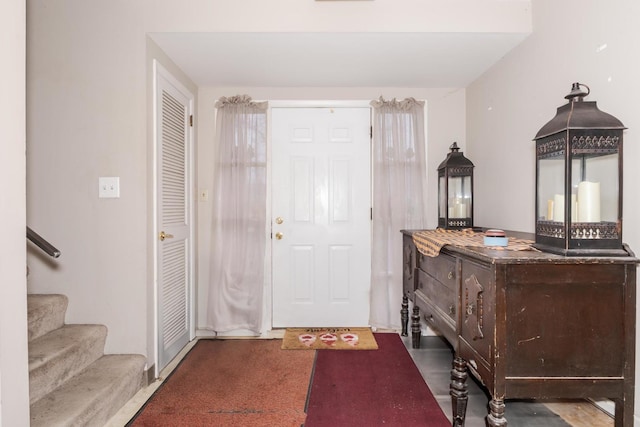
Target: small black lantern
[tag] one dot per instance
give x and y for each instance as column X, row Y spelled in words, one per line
column 455, row 191
column 579, row 180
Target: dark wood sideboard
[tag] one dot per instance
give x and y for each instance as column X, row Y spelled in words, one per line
column 527, row 324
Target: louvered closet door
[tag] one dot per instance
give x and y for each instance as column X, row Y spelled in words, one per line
column 173, row 219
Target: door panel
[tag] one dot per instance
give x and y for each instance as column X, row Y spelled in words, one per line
column 321, row 192
column 173, row 217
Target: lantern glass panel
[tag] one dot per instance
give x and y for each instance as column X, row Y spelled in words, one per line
column 551, row 188
column 459, row 197
column 594, row 181
column 442, row 202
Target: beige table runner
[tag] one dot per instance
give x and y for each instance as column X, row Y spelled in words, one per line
column 429, row 242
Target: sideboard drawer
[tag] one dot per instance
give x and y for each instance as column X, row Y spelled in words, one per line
column 442, row 296
column 435, row 318
column 442, row 268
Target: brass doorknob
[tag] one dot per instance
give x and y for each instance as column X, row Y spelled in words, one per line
column 164, row 235
column 279, row 235
column 279, row 220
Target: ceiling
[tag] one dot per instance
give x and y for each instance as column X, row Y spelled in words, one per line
column 335, row 59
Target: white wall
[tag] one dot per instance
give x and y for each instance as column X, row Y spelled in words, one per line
column 86, row 118
column 14, row 377
column 512, row 101
column 445, row 124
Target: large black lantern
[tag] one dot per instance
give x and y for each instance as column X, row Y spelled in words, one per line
column 579, row 180
column 455, row 191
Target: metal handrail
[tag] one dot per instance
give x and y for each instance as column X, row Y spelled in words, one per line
column 40, row 242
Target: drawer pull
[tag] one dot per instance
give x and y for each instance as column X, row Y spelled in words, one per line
column 470, row 309
column 450, row 275
column 452, row 309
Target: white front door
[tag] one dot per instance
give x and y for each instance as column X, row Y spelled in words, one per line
column 321, row 218
column 174, row 247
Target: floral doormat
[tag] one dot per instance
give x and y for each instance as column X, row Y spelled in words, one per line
column 329, row 339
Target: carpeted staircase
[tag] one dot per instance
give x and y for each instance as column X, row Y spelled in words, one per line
column 71, row 381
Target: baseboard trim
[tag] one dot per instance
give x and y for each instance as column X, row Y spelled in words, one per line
column 150, row 375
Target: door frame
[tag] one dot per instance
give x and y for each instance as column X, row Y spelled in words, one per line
column 267, row 317
column 160, row 71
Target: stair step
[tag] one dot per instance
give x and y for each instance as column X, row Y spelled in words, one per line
column 61, row 354
column 45, row 313
column 94, row 395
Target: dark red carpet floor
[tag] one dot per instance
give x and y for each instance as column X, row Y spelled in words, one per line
column 371, row 388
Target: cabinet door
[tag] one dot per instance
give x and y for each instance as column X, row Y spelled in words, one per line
column 477, row 300
column 409, row 253
column 566, row 320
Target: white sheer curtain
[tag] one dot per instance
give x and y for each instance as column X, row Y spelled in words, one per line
column 239, row 216
column 399, row 199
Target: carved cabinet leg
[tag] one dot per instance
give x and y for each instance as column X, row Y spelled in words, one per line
column 496, row 413
column 415, row 327
column 404, row 315
column 458, row 391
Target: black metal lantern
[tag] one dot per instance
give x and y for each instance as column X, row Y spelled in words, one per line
column 579, row 180
column 455, row 191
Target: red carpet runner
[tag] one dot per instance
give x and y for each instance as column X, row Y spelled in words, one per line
column 229, row 383
column 371, row 388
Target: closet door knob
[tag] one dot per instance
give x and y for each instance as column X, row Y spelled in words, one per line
column 164, row 235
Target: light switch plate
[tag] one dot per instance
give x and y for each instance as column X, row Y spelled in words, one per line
column 109, row 187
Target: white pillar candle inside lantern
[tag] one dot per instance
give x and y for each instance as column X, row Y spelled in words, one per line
column 558, row 208
column 589, row 201
column 555, row 208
